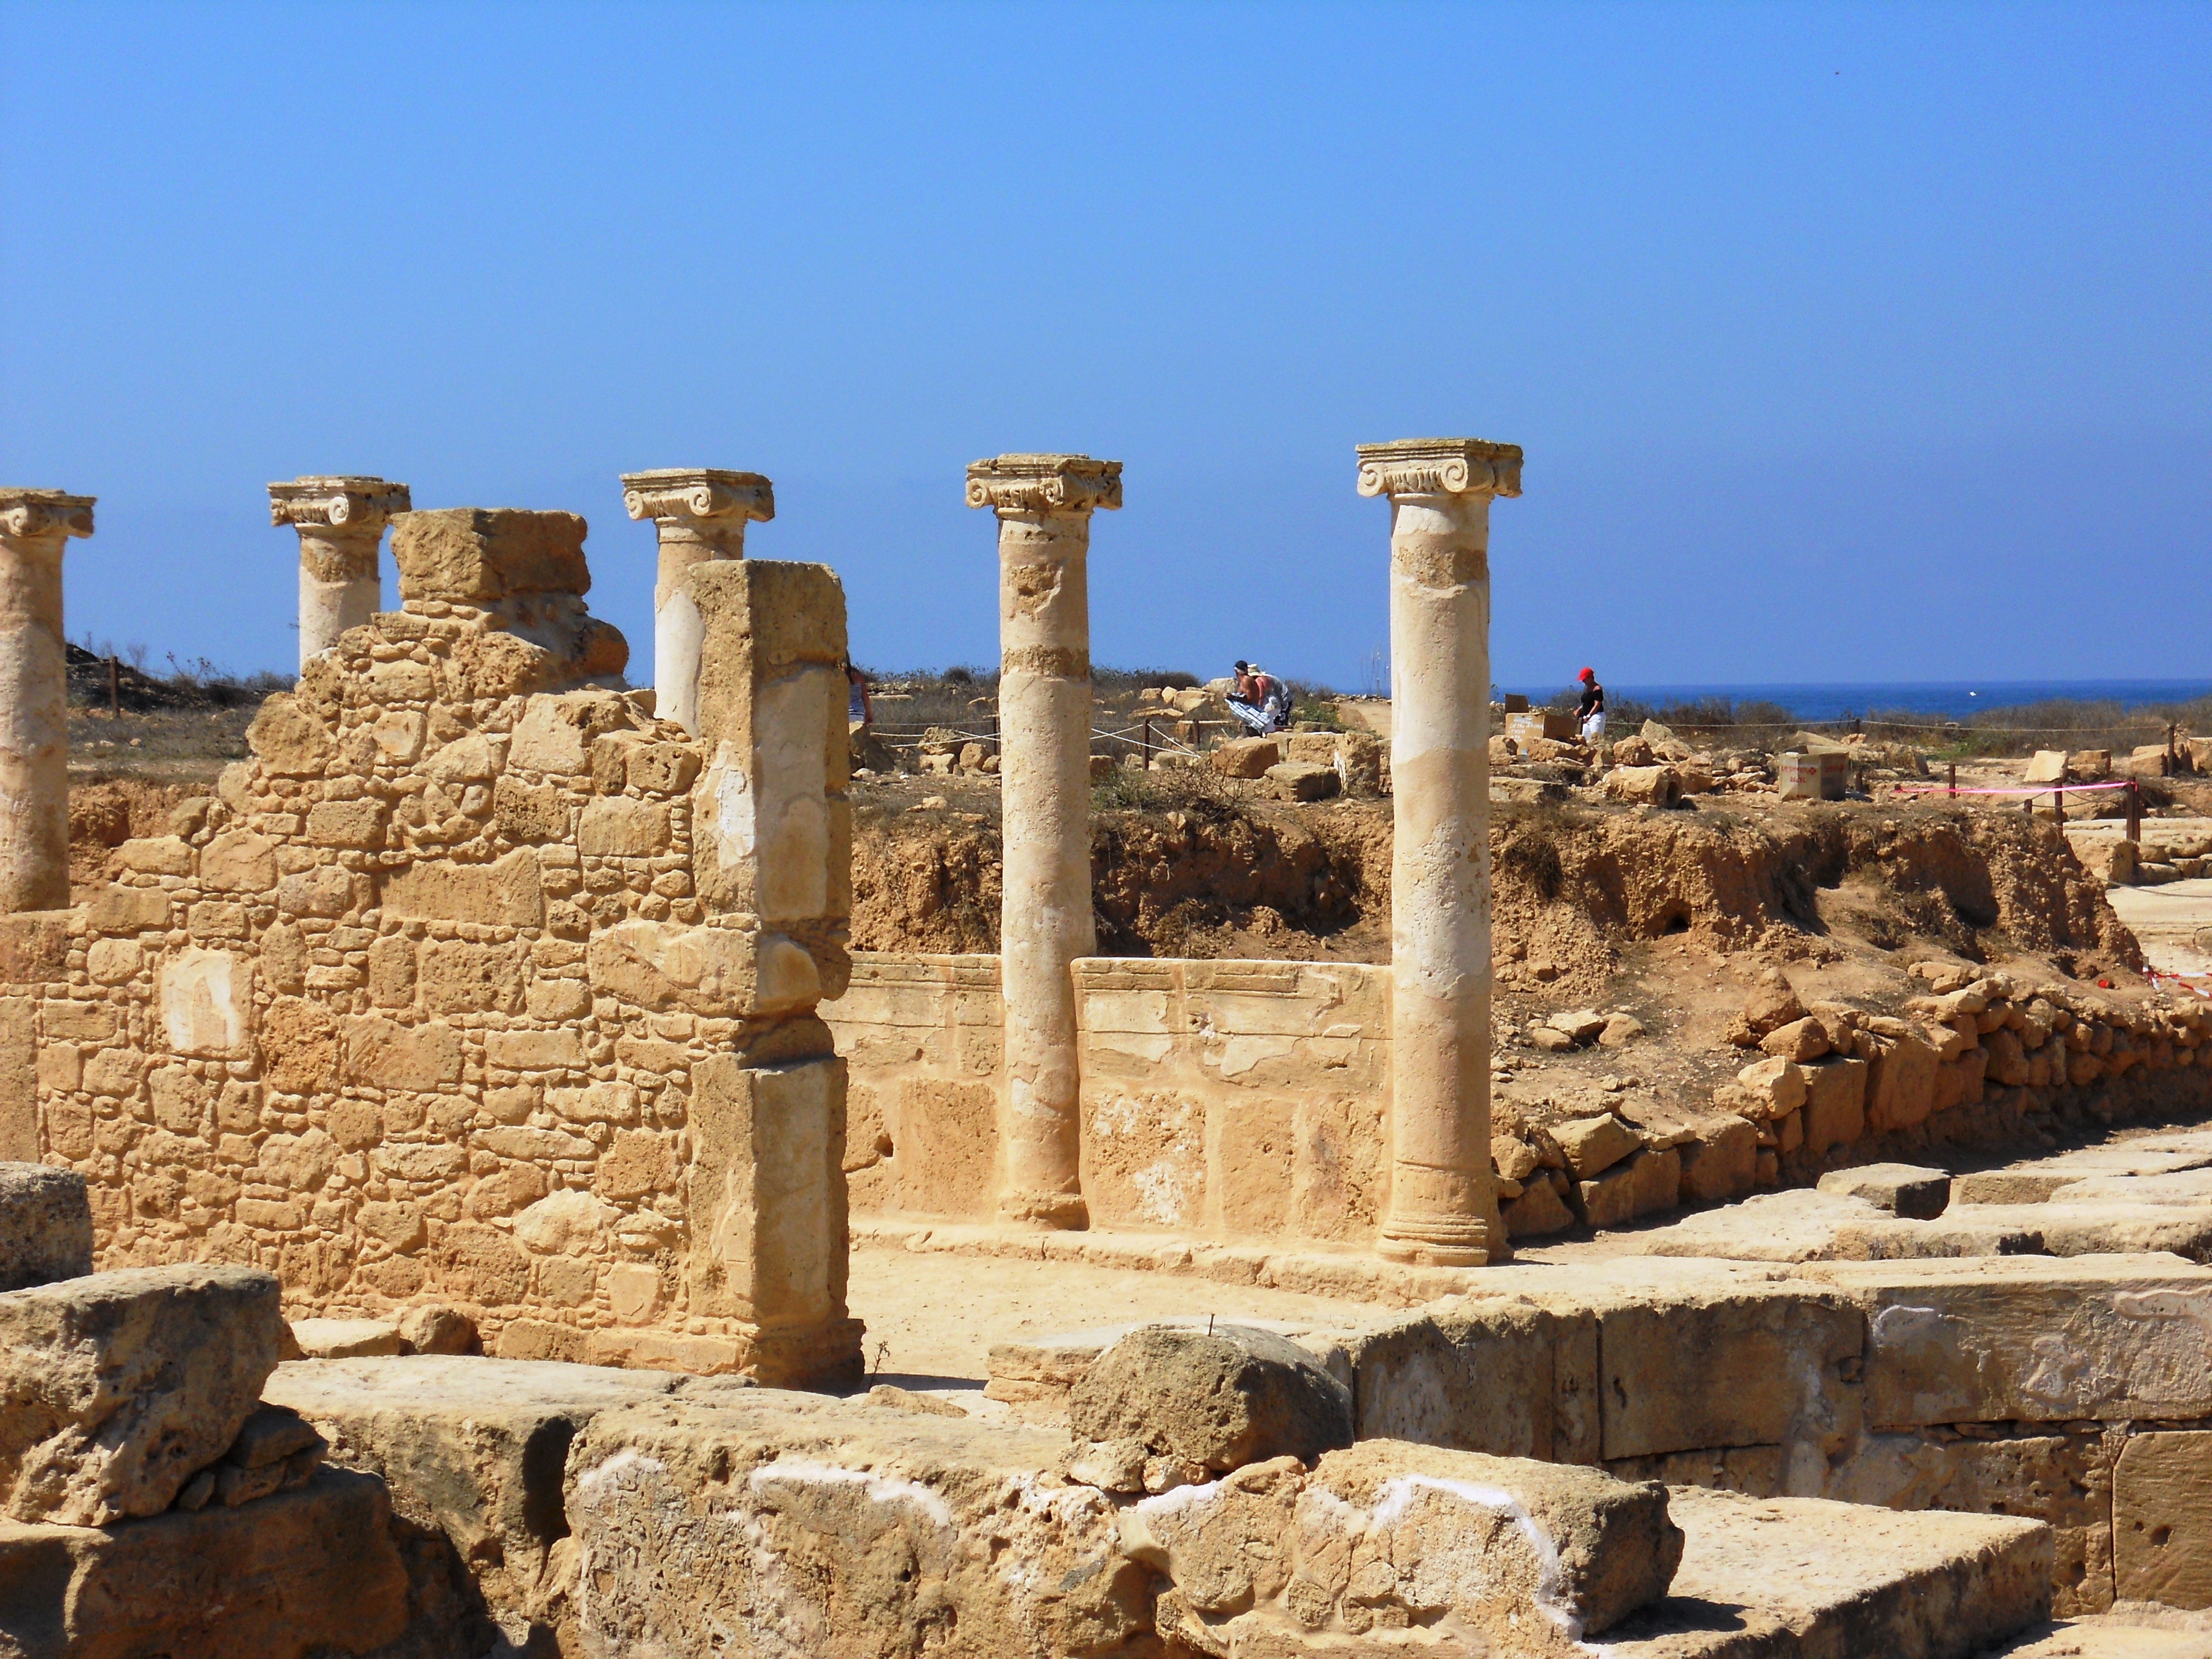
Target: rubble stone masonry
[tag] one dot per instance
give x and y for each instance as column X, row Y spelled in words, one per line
column 478, row 984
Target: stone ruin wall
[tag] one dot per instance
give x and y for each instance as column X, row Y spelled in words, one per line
column 448, row 995
column 1249, row 1100
column 1237, row 1099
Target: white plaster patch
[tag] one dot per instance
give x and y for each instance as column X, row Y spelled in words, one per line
column 1161, row 1196
column 207, row 1001
column 877, row 1488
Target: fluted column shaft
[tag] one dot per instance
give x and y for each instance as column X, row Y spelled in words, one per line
column 34, row 527
column 1443, row 1200
column 1043, row 504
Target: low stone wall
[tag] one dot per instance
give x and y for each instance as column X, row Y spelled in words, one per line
column 1242, row 1099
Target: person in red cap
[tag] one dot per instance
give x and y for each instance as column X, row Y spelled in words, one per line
column 1590, row 713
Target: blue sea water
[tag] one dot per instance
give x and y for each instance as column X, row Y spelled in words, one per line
column 1939, row 699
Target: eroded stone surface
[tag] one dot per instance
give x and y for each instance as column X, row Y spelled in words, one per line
column 46, row 1225
column 118, row 1388
column 1219, row 1399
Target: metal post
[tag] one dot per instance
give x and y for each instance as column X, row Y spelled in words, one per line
column 1954, row 779
column 1148, row 743
column 114, row 689
column 2058, row 797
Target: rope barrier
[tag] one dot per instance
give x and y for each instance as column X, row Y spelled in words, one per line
column 2039, row 789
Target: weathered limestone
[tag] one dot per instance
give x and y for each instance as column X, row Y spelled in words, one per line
column 34, row 526
column 701, row 515
column 772, row 840
column 46, row 1225
column 314, row 1570
column 1443, row 1202
column 1043, row 504
column 120, row 1386
column 1217, row 1399
column 473, row 1451
column 340, row 521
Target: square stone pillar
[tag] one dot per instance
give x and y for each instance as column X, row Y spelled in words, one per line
column 772, row 854
column 35, row 525
column 701, row 515
column 340, row 520
column 1443, row 1197
column 1043, row 504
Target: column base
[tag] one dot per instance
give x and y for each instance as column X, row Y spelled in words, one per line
column 825, row 1356
column 1442, row 1244
column 1047, row 1211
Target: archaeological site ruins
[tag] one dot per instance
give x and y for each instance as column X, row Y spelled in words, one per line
column 522, row 1163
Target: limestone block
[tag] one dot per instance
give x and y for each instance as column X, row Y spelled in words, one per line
column 767, row 811
column 2063, row 1478
column 1500, row 1547
column 616, row 826
column 1903, row 1189
column 122, row 1386
column 312, row 1570
column 946, row 1145
column 850, row 1488
column 357, row 825
column 1538, row 1210
column 2032, row 1339
column 713, row 970
column 1721, row 1164
column 1301, row 780
column 325, row 890
column 1219, row 1399
column 456, row 977
column 207, row 1004
column 1648, row 1184
column 473, row 1451
column 1900, row 1085
column 1804, row 1225
column 1496, row 1377
column 120, row 909
column 2162, row 1520
column 1774, row 1088
column 1701, row 1359
column 345, row 1339
column 506, row 892
column 1594, row 1145
column 475, row 554
column 767, row 1205
column 1801, row 1575
column 530, row 812
column 2047, row 766
column 46, row 1225
column 239, row 861
column 1835, row 1104
column 386, row 1055
column 290, row 742
column 1247, row 758
column 1649, row 786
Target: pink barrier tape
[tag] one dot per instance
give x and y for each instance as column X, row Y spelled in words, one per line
column 2039, row 789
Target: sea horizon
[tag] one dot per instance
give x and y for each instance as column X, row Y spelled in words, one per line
column 1960, row 699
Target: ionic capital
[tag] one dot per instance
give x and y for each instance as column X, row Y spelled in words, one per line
column 1044, row 483
column 698, row 492
column 26, row 513
column 363, row 506
column 1439, row 467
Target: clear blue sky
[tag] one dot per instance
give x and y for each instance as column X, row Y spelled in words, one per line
column 1845, row 343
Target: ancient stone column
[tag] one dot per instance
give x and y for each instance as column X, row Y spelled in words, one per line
column 35, row 525
column 701, row 513
column 772, row 861
column 1443, row 1200
column 1044, row 504
column 340, row 521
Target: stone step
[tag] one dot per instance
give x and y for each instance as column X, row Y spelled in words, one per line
column 2121, row 1635
column 1784, row 1577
